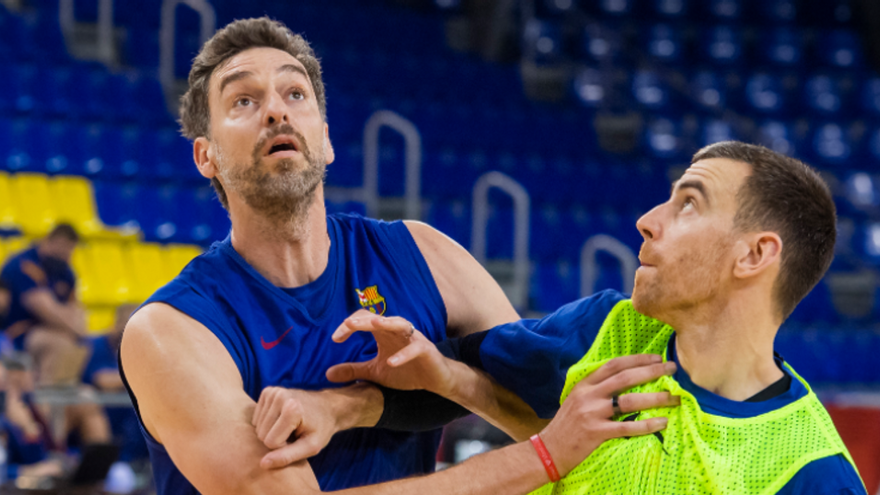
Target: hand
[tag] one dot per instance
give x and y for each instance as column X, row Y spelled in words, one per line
column 406, row 360
column 584, row 420
column 307, row 419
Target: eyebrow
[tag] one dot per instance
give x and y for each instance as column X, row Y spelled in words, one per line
column 690, row 184
column 237, row 76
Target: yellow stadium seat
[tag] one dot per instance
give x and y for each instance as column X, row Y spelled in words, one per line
column 103, row 272
column 7, row 211
column 15, row 245
column 74, row 202
column 100, row 319
column 178, row 255
column 149, row 269
column 32, row 203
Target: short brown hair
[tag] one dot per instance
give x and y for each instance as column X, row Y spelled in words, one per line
column 64, row 231
column 226, row 43
column 786, row 196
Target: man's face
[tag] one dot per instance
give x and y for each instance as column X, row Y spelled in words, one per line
column 268, row 139
column 687, row 255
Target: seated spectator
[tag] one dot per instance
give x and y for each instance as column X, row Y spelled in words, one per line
column 102, row 372
column 44, row 316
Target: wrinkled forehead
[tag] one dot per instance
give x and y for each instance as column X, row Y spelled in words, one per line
column 720, row 177
column 258, row 61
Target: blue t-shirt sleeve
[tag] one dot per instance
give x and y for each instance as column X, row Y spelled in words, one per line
column 531, row 357
column 21, row 279
column 827, row 476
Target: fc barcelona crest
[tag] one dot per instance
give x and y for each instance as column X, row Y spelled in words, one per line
column 371, row 300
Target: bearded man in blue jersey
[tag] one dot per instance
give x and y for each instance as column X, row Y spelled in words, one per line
column 257, row 310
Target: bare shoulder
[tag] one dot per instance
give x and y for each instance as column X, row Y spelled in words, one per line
column 473, row 299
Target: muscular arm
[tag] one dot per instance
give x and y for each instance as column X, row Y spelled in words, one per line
column 48, row 311
column 474, row 301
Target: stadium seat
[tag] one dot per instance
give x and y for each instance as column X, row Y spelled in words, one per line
column 873, row 148
column 831, row 144
column 725, row 10
column 118, row 204
column 558, row 7
column 542, row 41
column 840, row 49
column 663, row 139
column 709, row 91
column 775, row 12
column 600, row 43
column 100, row 319
column 103, row 274
column 826, row 95
column 453, row 218
column 672, row 9
column 778, row 136
column 862, row 191
column 663, row 43
column 716, row 130
column 765, row 93
column 74, row 202
column 149, row 269
column 870, row 97
column 8, row 208
column 552, row 285
column 722, row 45
column 782, row 47
column 178, row 256
column 616, row 7
column 592, row 88
column 32, row 203
column 651, row 91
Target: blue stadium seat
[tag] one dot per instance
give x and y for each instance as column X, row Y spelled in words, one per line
column 118, row 204
column 782, row 46
column 448, row 5
column 542, row 41
column 600, row 43
column 765, row 93
column 453, row 218
column 831, row 144
column 870, row 97
column 872, row 141
column 552, row 285
column 616, row 7
column 826, row 95
column 663, row 139
column 445, row 174
column 23, row 141
column 709, row 91
column 547, row 236
column 778, row 136
column 726, row 10
column 141, row 48
column 717, row 130
column 862, row 191
column 672, row 9
column 816, row 307
column 775, row 12
column 650, row 90
column 592, row 88
column 558, row 7
column 840, row 48
column 722, row 45
column 664, row 44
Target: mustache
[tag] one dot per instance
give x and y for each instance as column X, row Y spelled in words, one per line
column 283, row 129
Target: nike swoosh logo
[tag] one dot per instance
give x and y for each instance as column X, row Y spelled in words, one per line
column 270, row 345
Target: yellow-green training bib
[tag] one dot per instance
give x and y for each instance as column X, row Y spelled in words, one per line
column 699, row 453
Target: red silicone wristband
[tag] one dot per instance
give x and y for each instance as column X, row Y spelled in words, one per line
column 546, row 460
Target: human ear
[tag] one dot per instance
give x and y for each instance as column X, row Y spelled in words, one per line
column 760, row 251
column 203, row 155
column 329, row 154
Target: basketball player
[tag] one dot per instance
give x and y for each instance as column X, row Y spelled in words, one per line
column 745, row 236
column 257, row 309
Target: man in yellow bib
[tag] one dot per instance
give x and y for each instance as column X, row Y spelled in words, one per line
column 745, row 235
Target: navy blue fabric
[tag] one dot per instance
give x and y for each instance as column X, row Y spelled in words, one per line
column 531, row 358
column 123, row 420
column 244, row 310
column 27, row 271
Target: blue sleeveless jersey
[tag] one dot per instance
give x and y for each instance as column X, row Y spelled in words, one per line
column 281, row 337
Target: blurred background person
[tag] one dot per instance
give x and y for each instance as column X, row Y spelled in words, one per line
column 45, row 319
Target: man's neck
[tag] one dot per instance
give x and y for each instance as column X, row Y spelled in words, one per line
column 290, row 254
column 728, row 349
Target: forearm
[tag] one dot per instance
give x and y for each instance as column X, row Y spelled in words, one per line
column 356, row 406
column 515, row 469
column 479, row 393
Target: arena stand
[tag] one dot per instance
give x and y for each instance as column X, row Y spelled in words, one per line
column 588, row 109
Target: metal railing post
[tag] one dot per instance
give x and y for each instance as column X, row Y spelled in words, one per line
column 589, row 270
column 521, row 203
column 167, row 35
column 413, row 140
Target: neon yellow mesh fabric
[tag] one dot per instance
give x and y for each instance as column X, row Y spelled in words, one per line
column 699, row 453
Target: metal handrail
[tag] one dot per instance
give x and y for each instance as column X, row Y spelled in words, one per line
column 167, row 35
column 521, row 219
column 105, row 26
column 413, row 140
column 589, row 270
